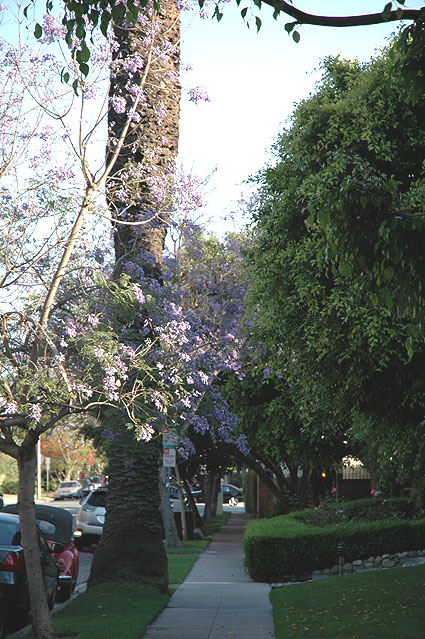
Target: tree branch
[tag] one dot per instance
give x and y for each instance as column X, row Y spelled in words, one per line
column 343, row 21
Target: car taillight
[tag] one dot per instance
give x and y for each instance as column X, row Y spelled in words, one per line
column 61, row 563
column 12, row 563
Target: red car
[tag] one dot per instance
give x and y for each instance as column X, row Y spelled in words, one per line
column 56, row 524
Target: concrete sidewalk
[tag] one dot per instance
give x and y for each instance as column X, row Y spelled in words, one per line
column 218, row 599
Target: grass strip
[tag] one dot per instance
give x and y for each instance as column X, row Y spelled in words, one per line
column 190, row 547
column 214, row 524
column 179, row 567
column 111, row 611
column 381, row 604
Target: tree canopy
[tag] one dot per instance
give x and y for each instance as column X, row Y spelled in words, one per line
column 337, row 264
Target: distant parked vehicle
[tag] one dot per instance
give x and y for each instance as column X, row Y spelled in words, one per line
column 56, row 524
column 232, row 495
column 70, row 490
column 91, row 518
column 15, row 602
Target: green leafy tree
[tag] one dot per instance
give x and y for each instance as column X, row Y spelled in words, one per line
column 338, row 266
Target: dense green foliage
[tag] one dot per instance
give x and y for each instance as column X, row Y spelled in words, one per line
column 338, row 265
column 282, row 546
column 335, row 512
column 377, row 605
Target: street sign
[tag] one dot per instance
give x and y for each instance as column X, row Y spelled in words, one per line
column 168, row 457
column 169, row 447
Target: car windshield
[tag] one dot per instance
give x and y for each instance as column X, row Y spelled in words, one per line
column 68, row 484
column 97, row 499
column 8, row 531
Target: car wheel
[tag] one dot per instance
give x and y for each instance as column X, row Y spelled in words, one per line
column 233, row 501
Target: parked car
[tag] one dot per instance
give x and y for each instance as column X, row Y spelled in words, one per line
column 69, row 489
column 57, row 526
column 90, row 518
column 13, row 579
column 232, row 495
column 91, row 484
column 196, row 492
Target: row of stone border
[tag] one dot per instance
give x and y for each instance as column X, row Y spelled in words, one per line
column 359, row 565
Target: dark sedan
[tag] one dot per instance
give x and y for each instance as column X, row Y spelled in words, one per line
column 13, row 580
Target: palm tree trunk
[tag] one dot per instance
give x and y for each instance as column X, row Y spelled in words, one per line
column 132, row 547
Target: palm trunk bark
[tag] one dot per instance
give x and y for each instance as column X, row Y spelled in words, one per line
column 131, row 547
column 133, row 520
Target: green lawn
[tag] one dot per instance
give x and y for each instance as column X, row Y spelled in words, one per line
column 111, row 611
column 382, row 604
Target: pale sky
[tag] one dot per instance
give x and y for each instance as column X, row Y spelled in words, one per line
column 253, row 81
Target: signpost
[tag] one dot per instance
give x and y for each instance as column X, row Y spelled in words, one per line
column 169, row 448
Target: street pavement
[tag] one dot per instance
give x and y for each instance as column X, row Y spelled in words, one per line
column 218, row 599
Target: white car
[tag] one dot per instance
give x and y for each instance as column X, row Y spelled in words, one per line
column 90, row 519
column 69, row 489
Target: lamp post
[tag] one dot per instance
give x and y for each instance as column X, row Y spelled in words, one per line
column 341, row 550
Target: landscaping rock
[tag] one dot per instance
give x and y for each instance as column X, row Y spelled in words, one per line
column 388, row 563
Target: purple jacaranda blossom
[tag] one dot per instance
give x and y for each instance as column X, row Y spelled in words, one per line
column 186, row 448
column 10, row 408
column 242, row 444
column 118, row 104
column 93, row 320
column 36, row 412
column 138, row 293
column 198, row 94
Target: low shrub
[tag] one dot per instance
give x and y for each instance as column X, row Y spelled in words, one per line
column 282, row 546
column 335, row 512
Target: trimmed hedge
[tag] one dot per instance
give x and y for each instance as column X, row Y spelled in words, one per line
column 282, row 546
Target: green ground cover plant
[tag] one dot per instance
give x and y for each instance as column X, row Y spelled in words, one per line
column 382, row 604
